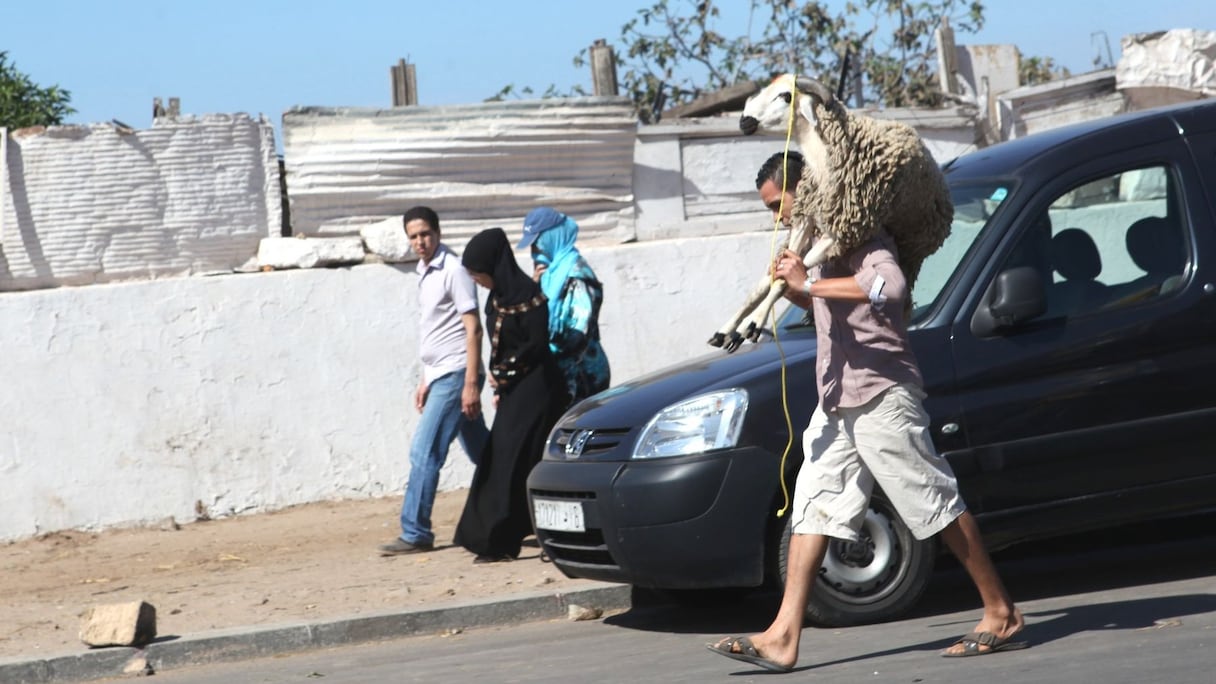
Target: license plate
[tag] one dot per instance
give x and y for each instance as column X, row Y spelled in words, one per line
column 561, row 516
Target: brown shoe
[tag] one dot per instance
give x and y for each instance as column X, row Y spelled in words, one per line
column 483, row 558
column 400, row 547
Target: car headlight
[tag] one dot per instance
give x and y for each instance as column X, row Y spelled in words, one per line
column 704, row 422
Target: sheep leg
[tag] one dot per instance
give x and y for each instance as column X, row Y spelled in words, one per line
column 818, row 253
column 798, row 241
column 731, row 343
column 756, row 322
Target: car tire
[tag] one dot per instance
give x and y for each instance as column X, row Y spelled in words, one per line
column 876, row 579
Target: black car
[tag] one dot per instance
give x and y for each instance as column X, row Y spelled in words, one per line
column 1066, row 333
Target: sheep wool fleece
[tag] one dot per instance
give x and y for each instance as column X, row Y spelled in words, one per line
column 880, row 175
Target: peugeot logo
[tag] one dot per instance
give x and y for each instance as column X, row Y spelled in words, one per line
column 574, row 448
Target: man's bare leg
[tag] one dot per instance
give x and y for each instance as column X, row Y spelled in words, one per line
column 1001, row 616
column 779, row 642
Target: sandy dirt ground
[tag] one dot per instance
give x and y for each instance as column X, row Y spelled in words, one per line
column 314, row 562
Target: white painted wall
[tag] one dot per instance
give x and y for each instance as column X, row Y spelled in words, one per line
column 1031, row 109
column 128, row 403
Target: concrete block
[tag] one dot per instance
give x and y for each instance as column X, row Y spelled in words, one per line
column 387, row 239
column 119, row 624
column 301, row 252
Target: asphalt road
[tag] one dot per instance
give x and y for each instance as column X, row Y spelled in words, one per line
column 1141, row 611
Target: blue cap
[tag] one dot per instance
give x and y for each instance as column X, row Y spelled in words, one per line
column 538, row 221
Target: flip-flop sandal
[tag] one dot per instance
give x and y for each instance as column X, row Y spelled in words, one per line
column 746, row 653
column 972, row 642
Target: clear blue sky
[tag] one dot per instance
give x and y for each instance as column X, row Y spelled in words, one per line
column 264, row 56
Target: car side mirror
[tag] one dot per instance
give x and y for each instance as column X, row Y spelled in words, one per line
column 1016, row 296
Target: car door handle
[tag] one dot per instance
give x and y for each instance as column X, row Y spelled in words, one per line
column 950, row 429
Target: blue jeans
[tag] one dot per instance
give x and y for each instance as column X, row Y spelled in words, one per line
column 439, row 425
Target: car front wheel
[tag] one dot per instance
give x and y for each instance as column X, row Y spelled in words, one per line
column 877, row 578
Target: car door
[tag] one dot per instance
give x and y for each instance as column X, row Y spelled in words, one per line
column 1107, row 394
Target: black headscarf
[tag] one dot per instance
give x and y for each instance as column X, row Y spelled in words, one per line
column 489, row 252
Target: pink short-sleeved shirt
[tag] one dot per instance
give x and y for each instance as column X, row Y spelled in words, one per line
column 863, row 347
column 445, row 291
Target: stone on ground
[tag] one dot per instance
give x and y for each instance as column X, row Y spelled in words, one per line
column 119, row 624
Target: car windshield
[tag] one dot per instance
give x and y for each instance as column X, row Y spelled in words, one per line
column 974, row 206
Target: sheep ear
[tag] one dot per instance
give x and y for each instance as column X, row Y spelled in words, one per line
column 814, row 88
column 806, row 109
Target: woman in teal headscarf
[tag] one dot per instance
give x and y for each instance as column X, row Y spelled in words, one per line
column 574, row 295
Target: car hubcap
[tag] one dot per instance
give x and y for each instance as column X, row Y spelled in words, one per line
column 865, row 567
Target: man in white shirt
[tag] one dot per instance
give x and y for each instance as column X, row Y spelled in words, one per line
column 449, row 396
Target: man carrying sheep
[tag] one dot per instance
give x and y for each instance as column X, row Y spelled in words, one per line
column 869, row 427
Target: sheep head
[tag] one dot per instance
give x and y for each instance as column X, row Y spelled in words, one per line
column 769, row 110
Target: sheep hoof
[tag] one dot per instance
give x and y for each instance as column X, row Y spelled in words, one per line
column 752, row 333
column 717, row 340
column 735, row 341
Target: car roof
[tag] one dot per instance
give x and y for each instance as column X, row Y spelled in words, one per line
column 1121, row 130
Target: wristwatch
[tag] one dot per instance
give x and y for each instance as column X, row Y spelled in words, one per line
column 810, row 279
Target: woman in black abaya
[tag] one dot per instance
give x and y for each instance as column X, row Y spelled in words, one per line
column 529, row 392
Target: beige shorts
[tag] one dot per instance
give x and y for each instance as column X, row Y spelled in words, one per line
column 884, row 441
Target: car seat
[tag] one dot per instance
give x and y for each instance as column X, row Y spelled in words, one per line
column 1155, row 245
column 1075, row 257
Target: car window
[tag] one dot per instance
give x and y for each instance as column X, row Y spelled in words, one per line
column 974, row 207
column 1107, row 244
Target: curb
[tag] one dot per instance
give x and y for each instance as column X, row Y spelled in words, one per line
column 247, row 643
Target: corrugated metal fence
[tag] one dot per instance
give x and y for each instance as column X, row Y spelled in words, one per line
column 477, row 165
column 86, row 204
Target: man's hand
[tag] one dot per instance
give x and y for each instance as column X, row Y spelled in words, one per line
column 420, row 396
column 470, row 400
column 789, row 267
column 538, row 270
column 470, row 396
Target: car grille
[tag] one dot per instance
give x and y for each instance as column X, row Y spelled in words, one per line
column 581, row 549
column 578, row 548
column 572, row 443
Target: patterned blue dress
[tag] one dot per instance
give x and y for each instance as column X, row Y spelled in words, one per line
column 574, row 334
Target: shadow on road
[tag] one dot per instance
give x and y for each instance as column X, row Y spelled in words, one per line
column 1139, row 614
column 703, row 610
column 1137, row 555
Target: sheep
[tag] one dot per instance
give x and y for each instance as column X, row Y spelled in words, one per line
column 862, row 174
